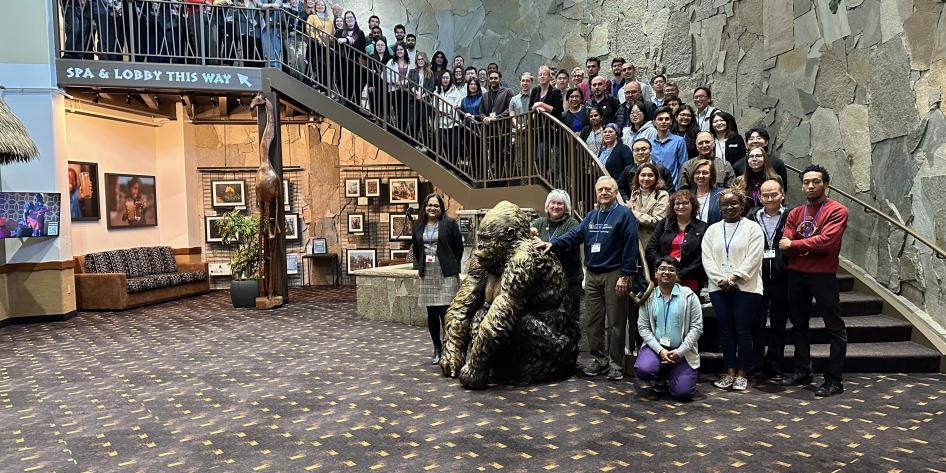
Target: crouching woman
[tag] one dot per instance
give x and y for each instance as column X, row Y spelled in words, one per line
column 670, row 321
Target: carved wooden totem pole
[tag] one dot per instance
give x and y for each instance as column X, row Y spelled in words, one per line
column 268, row 190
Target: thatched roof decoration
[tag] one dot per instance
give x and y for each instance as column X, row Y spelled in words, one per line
column 15, row 143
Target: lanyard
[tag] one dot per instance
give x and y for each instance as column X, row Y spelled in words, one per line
column 762, row 217
column 806, row 230
column 666, row 310
column 704, row 207
column 728, row 242
column 597, row 227
column 429, row 234
column 555, row 232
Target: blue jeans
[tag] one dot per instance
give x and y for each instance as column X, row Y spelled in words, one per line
column 272, row 45
column 736, row 312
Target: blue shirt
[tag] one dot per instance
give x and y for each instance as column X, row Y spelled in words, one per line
column 667, row 317
column 613, row 232
column 671, row 153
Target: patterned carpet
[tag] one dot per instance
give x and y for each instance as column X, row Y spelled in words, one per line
column 195, row 385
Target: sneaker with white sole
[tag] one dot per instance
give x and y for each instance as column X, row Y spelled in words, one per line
column 615, row 374
column 740, row 384
column 725, row 382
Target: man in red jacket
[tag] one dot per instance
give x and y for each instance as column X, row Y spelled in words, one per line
column 812, row 241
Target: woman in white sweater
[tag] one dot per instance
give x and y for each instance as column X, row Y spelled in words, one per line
column 732, row 258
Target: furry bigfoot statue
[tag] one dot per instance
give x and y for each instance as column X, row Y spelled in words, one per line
column 508, row 322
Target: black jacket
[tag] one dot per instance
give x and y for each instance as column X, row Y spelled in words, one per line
column 619, row 159
column 609, row 105
column 553, row 97
column 777, row 165
column 449, row 246
column 567, row 116
column 773, row 268
column 691, row 258
column 735, row 149
column 627, row 176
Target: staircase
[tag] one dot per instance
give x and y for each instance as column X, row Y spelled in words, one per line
column 877, row 343
column 541, row 155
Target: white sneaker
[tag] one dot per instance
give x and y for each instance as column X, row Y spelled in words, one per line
column 740, row 384
column 725, row 382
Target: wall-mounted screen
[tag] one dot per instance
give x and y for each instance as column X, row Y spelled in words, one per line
column 29, row 214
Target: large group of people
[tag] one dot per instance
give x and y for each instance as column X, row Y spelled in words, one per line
column 702, row 201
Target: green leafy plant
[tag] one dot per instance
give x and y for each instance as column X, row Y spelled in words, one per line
column 242, row 230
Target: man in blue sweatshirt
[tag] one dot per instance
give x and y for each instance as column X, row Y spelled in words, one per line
column 609, row 236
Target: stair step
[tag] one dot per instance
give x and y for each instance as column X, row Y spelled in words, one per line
column 845, row 282
column 887, row 357
column 852, row 304
column 860, row 328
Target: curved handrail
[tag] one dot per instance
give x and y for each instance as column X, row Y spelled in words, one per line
column 870, row 209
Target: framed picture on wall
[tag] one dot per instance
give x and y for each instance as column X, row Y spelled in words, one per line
column 131, row 201
column 228, row 193
column 84, row 191
column 287, row 202
column 372, row 187
column 292, row 227
column 400, row 255
column 319, row 246
column 212, row 229
column 401, row 228
column 356, row 223
column 402, row 190
column 292, row 263
column 352, row 188
column 361, row 259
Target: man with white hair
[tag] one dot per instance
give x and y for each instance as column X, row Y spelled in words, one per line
column 609, row 236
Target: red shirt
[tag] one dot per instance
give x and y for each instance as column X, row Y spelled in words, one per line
column 817, row 253
column 676, row 252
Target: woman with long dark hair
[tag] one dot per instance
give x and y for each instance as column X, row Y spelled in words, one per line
column 351, row 40
column 469, row 108
column 438, row 63
column 395, row 74
column 376, row 83
column 729, row 143
column 438, row 251
column 448, row 100
column 758, row 170
column 684, row 125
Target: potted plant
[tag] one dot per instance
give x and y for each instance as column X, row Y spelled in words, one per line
column 243, row 231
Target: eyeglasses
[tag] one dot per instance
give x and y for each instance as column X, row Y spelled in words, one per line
column 756, row 156
column 684, row 115
column 682, row 203
column 640, row 150
column 667, row 270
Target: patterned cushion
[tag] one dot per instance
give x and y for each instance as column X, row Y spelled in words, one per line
column 117, row 261
column 167, row 279
column 142, row 283
column 154, row 257
column 138, row 261
column 167, row 257
column 193, row 276
column 97, row 263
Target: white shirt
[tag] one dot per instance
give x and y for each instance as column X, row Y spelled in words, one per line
column 746, row 245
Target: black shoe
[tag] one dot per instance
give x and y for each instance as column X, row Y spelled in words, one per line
column 660, row 387
column 797, row 379
column 829, row 389
column 436, row 359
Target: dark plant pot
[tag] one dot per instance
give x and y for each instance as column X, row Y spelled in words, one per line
column 244, row 293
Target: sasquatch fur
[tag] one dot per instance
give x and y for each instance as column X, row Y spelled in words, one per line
column 509, row 322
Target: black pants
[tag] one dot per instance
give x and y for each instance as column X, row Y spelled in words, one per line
column 435, row 315
column 824, row 288
column 775, row 309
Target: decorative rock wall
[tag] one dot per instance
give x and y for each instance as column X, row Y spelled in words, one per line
column 859, row 90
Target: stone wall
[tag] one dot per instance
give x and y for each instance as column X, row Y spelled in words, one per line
column 859, row 90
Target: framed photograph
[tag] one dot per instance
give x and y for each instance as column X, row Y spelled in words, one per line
column 84, row 191
column 400, row 255
column 402, row 190
column 401, row 228
column 292, row 227
column 212, row 229
column 319, row 246
column 352, row 188
column 131, row 200
column 292, row 263
column 287, row 203
column 228, row 193
column 356, row 223
column 372, row 187
column 361, row 259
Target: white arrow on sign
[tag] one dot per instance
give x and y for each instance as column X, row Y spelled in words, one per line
column 244, row 80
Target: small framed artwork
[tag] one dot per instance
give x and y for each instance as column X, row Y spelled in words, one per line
column 352, row 188
column 402, row 190
column 361, row 259
column 319, row 246
column 212, row 229
column 84, row 191
column 400, row 255
column 286, row 201
column 356, row 223
column 372, row 187
column 131, row 200
column 228, row 193
column 292, row 227
column 292, row 263
column 401, row 228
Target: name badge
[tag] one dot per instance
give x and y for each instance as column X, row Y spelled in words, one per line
column 664, row 342
column 596, row 247
column 727, row 267
column 768, row 254
column 429, row 258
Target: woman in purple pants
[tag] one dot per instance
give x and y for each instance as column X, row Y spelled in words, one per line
column 670, row 321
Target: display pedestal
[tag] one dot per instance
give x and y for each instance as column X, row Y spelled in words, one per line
column 263, row 303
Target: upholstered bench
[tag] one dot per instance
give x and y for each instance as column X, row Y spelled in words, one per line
column 121, row 279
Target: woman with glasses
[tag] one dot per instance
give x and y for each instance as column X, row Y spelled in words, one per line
column 638, row 125
column 575, row 114
column 758, row 170
column 614, row 155
column 438, row 251
column 680, row 236
column 684, row 125
column 670, row 321
column 729, row 143
column 557, row 221
column 732, row 258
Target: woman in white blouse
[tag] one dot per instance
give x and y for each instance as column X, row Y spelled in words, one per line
column 732, row 258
